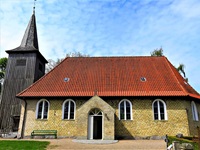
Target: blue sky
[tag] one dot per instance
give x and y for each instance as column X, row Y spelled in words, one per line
column 108, row 28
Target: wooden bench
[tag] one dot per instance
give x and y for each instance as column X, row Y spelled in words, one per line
column 44, row 133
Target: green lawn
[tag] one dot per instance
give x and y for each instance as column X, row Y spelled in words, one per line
column 23, row 145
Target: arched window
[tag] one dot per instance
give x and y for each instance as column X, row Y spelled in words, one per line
column 68, row 109
column 159, row 110
column 42, row 109
column 194, row 111
column 125, row 110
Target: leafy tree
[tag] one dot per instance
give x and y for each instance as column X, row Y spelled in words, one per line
column 157, row 52
column 51, row 63
column 76, row 54
column 3, row 63
column 181, row 70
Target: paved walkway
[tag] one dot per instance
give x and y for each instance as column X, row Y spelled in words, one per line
column 62, row 144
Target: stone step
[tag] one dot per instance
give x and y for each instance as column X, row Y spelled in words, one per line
column 10, row 135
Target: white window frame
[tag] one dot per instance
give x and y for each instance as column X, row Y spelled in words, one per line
column 158, row 105
column 63, row 109
column 37, row 109
column 124, row 101
column 194, row 111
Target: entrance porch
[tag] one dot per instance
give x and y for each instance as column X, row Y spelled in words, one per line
column 95, row 120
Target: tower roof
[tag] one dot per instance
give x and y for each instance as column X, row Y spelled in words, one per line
column 30, row 40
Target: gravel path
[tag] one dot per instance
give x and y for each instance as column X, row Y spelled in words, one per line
column 62, row 144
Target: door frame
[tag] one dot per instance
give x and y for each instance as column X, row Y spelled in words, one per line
column 91, row 124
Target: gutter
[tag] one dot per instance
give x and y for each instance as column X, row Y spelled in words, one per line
column 23, row 123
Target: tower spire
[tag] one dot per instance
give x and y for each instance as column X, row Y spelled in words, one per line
column 34, row 7
column 30, row 40
column 30, row 36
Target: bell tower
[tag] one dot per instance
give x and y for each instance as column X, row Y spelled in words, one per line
column 25, row 66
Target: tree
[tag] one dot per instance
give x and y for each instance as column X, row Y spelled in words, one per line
column 76, row 54
column 157, row 52
column 181, row 70
column 3, row 63
column 51, row 63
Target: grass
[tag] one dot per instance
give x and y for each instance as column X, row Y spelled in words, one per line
column 182, row 140
column 23, row 145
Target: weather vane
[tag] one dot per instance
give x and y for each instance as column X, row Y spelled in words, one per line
column 34, row 7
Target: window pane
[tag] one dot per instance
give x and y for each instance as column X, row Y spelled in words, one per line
column 161, row 107
column 40, row 110
column 128, row 116
column 128, row 107
column 45, row 110
column 155, row 108
column 71, row 115
column 128, row 111
column 122, row 116
column 162, row 116
column 100, row 113
column 66, row 110
column 122, row 110
column 162, row 112
column 72, row 110
column 155, row 116
column 72, row 107
column 194, row 112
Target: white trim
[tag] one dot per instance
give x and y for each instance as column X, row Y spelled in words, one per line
column 124, row 101
column 158, row 106
column 90, row 126
column 194, row 111
column 63, row 109
column 42, row 114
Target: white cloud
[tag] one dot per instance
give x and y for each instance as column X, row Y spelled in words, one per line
column 109, row 27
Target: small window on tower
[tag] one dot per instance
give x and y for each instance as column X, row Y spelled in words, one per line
column 40, row 67
column 21, row 62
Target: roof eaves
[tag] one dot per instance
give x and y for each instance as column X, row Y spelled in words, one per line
column 194, row 96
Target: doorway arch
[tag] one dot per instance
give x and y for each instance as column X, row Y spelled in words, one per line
column 95, row 124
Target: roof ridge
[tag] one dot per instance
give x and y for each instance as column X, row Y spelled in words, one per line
column 118, row 57
column 41, row 77
column 170, row 66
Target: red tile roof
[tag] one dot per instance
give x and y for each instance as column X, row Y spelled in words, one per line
column 112, row 76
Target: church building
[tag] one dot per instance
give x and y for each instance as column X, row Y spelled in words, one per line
column 103, row 98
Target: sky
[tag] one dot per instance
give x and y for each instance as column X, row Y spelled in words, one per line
column 108, row 28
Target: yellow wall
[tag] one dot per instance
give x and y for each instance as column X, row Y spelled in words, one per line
column 143, row 124
column 54, row 121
